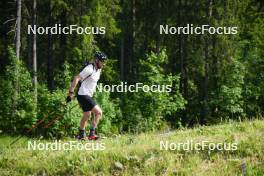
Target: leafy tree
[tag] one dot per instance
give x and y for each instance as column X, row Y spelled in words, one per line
column 25, row 110
column 229, row 100
column 147, row 110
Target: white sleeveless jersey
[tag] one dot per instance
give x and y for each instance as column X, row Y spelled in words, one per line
column 88, row 85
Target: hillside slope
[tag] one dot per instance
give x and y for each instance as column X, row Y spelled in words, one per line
column 170, row 153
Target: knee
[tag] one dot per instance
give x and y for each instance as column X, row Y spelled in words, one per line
column 99, row 112
column 86, row 114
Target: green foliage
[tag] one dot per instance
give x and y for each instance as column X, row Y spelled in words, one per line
column 94, row 13
column 110, row 72
column 252, row 54
column 20, row 110
column 147, row 110
column 53, row 108
column 212, row 76
column 58, row 6
column 141, row 154
column 253, row 91
column 111, row 113
column 18, row 107
column 102, row 14
column 66, row 117
column 63, row 78
column 152, row 73
column 229, row 100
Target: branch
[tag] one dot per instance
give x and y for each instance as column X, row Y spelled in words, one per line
column 9, row 20
column 10, row 31
column 15, row 31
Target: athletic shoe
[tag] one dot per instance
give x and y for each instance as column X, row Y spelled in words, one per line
column 81, row 135
column 93, row 137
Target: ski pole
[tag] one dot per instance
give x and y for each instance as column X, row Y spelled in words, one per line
column 40, row 122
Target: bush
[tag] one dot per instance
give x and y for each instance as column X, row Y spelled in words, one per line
column 110, row 123
column 147, row 110
column 18, row 107
column 19, row 111
column 64, row 118
column 51, row 105
column 228, row 100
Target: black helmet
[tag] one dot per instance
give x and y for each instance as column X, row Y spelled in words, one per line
column 100, row 56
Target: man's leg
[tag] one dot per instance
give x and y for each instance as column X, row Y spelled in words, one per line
column 98, row 115
column 84, row 120
column 83, row 124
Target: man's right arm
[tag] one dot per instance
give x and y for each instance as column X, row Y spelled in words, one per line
column 75, row 81
column 84, row 73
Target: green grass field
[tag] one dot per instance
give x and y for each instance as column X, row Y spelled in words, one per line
column 142, row 155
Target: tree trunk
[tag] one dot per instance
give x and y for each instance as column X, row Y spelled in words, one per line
column 122, row 60
column 207, row 54
column 133, row 67
column 18, row 28
column 184, row 80
column 50, row 80
column 29, row 49
column 184, row 56
column 18, row 43
column 35, row 82
column 205, row 108
column 180, row 47
column 63, row 39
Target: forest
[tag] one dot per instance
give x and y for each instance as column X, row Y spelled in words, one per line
column 215, row 76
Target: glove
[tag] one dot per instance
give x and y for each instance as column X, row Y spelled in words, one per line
column 68, row 99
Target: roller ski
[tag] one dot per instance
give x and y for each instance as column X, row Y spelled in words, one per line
column 92, row 135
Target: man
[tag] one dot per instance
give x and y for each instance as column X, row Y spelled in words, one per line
column 88, row 78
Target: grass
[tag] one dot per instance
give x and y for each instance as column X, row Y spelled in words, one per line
column 141, row 154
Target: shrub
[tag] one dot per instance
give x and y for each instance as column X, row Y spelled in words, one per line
column 53, row 108
column 147, row 110
column 18, row 107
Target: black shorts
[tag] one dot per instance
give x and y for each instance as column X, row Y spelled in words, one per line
column 86, row 102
